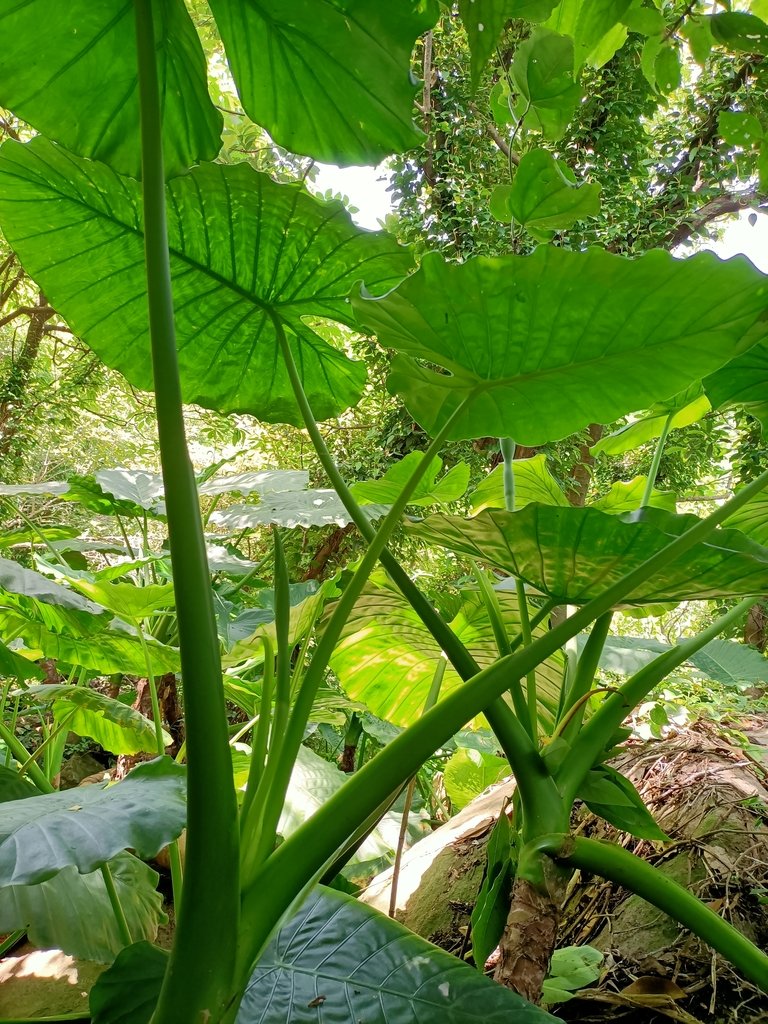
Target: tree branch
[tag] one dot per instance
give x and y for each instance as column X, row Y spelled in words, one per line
column 720, row 206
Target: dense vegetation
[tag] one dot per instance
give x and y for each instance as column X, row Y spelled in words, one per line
column 441, row 477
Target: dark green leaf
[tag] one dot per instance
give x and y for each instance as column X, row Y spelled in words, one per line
column 491, row 908
column 544, row 195
column 87, row 826
column 316, row 956
column 667, row 68
column 71, row 73
column 484, row 21
column 744, row 33
column 77, row 228
column 73, row 912
column 127, row 993
column 538, row 370
column 739, row 129
column 612, row 796
column 14, row 786
column 648, row 21
column 327, row 78
column 542, row 71
column 573, row 554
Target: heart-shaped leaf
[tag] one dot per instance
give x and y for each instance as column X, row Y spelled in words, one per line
column 332, row 77
column 314, row 960
column 72, row 74
column 536, row 347
column 544, row 195
column 573, row 554
column 127, row 993
column 533, row 482
column 245, row 252
column 88, row 826
column 543, row 74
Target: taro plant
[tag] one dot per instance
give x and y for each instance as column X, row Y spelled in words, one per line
column 205, row 282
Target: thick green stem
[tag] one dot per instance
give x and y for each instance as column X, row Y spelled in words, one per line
column 294, row 865
column 198, row 981
column 510, row 732
column 584, row 675
column 508, row 447
column 653, row 472
column 617, row 864
column 596, row 734
column 117, row 907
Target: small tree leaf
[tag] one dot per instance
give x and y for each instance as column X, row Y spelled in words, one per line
column 484, row 21
column 667, row 70
column 127, row 993
column 739, row 129
column 744, row 33
column 542, row 72
column 612, row 796
column 698, row 32
column 543, row 196
column 469, row 772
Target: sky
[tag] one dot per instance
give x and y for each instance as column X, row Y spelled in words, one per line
column 366, row 187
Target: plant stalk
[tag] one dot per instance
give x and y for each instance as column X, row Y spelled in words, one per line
column 198, row 982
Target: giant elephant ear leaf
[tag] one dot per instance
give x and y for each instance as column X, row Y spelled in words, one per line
column 79, row 85
column 332, row 78
column 574, row 554
column 314, row 960
column 245, row 252
column 742, row 383
column 536, row 347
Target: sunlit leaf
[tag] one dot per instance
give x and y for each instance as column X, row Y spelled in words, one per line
column 292, row 509
column 72, row 74
column 742, row 383
column 332, row 78
column 542, row 72
column 520, row 365
column 650, row 426
column 626, row 496
column 429, row 491
column 468, row 773
column 533, row 482
column 484, row 21
column 243, row 250
column 544, row 195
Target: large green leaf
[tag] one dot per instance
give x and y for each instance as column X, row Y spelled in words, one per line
column 291, row 509
column 316, row 960
column 745, row 33
column 752, row 519
column 73, row 912
column 115, row 726
column 386, row 658
column 25, row 588
column 327, row 78
column 484, row 21
column 243, row 249
column 265, row 481
column 743, row 382
column 430, row 490
column 539, row 346
column 469, row 772
column 135, row 485
column 71, row 73
column 86, row 827
column 593, row 25
column 574, row 554
column 542, row 72
column 544, row 196
column 726, row 661
column 51, row 488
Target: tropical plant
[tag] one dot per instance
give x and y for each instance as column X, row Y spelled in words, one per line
column 211, row 283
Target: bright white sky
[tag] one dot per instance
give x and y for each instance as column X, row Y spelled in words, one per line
column 366, row 187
